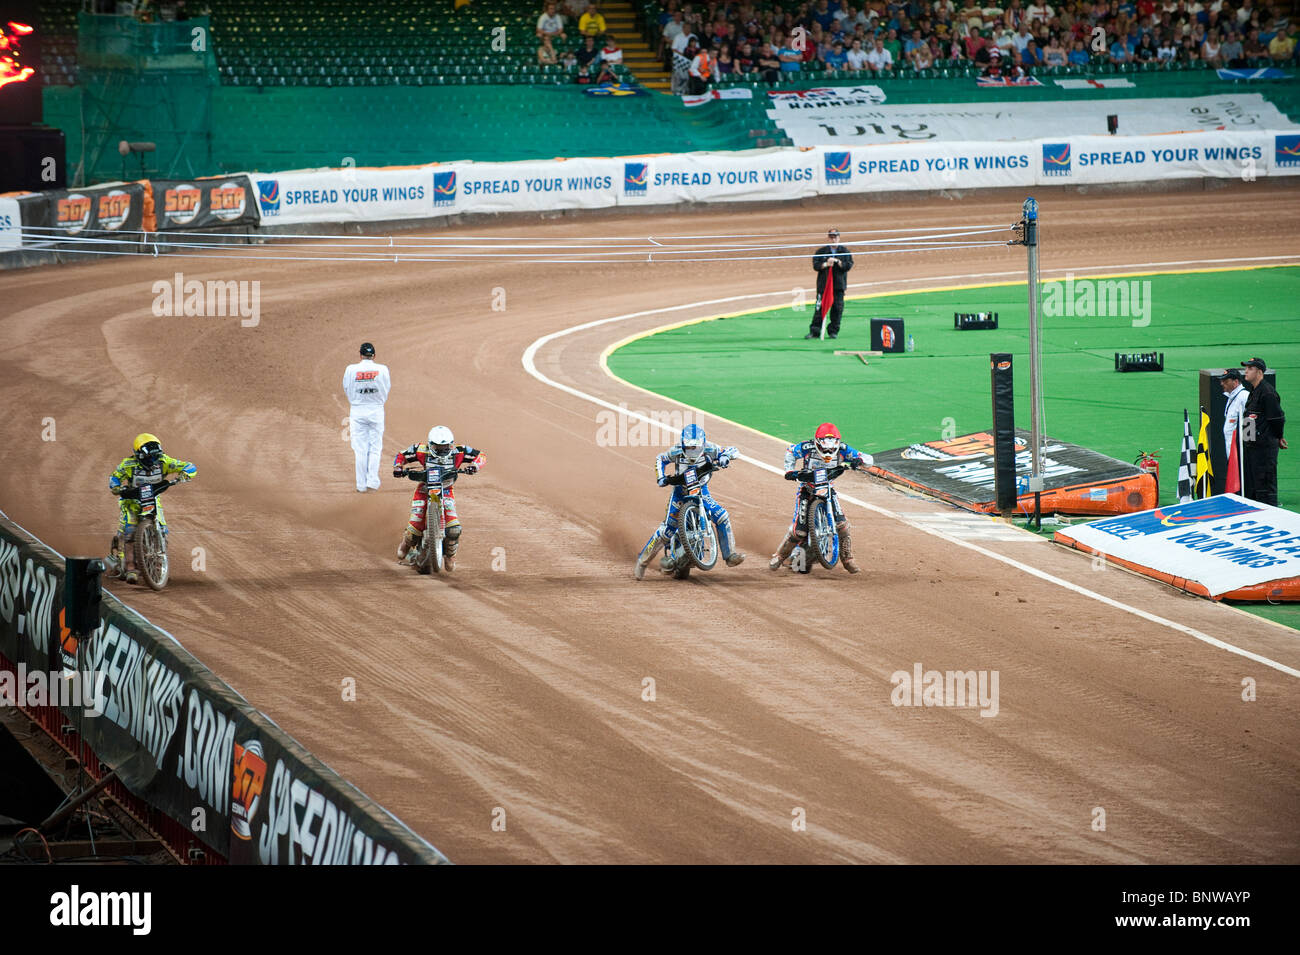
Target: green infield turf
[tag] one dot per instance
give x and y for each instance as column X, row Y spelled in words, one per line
column 756, row 369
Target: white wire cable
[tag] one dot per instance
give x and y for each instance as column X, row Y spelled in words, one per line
column 398, row 257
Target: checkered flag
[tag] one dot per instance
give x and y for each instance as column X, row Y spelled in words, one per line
column 1185, row 462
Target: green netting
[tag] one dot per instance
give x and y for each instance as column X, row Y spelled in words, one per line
column 143, row 82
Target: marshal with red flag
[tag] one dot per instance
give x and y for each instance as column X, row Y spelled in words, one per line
column 825, row 299
column 1232, row 480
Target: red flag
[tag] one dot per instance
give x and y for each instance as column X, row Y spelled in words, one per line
column 1232, row 482
column 828, row 295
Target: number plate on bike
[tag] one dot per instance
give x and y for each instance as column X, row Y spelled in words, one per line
column 434, row 476
column 690, row 475
column 819, row 475
column 146, row 492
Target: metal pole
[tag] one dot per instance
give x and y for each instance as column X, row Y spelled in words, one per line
column 1029, row 214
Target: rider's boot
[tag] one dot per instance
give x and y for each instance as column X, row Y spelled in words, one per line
column 782, row 552
column 410, row 538
column 846, row 548
column 129, row 573
column 727, row 543
column 114, row 562
column 450, row 544
column 647, row 553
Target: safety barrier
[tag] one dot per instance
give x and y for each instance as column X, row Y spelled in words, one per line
column 197, row 763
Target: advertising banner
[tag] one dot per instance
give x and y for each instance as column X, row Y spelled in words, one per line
column 1076, row 480
column 1099, row 159
column 1225, row 544
column 345, row 195
column 180, row 205
column 854, row 120
column 60, row 217
column 11, row 224
column 182, row 740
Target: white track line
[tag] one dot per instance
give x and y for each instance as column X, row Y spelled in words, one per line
column 529, row 362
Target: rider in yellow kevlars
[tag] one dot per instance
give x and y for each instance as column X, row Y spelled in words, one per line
column 146, row 465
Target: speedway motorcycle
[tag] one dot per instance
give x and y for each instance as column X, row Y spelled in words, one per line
column 428, row 556
column 150, row 545
column 695, row 545
column 817, row 518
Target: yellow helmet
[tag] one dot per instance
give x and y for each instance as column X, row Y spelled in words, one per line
column 148, row 449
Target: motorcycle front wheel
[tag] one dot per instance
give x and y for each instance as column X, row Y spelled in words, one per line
column 823, row 541
column 151, row 555
column 698, row 536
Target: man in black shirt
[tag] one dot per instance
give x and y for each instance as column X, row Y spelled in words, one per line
column 838, row 260
column 1261, row 433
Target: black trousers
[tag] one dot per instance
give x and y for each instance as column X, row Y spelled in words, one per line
column 832, row 317
column 1261, row 473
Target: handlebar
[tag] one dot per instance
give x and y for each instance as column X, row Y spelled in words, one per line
column 417, row 474
column 807, row 476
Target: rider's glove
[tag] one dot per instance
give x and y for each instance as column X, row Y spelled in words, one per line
column 130, row 493
column 471, row 469
column 675, row 479
column 855, row 463
column 398, row 472
column 662, row 479
column 416, row 475
column 792, row 475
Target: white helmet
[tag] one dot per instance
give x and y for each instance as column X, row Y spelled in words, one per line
column 440, row 441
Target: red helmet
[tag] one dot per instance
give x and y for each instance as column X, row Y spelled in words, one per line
column 828, row 440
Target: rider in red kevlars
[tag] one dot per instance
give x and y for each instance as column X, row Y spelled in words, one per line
column 825, row 450
column 439, row 449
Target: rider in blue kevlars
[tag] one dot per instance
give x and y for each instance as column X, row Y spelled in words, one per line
column 690, row 449
column 826, row 449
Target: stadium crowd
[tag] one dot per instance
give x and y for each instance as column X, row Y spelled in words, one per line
column 775, row 38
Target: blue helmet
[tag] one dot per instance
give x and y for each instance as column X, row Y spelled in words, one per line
column 692, row 441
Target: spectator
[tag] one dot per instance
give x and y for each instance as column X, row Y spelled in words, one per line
column 1031, row 56
column 1039, row 12
column 591, row 24
column 611, row 52
column 746, row 61
column 1119, row 52
column 1079, row 55
column 1054, row 55
column 922, row 58
column 587, row 58
column 857, row 57
column 546, row 54
column 1212, row 50
column 914, row 41
column 702, row 70
column 1146, row 50
column 606, row 75
column 1232, row 51
column 836, row 58
column 769, row 64
column 1022, row 37
column 1167, row 53
column 550, row 25
column 791, row 59
column 822, row 15
column 682, row 65
column 1187, row 52
column 880, row 59
column 726, row 64
column 1254, row 49
column 672, row 30
column 894, row 45
column 1281, row 48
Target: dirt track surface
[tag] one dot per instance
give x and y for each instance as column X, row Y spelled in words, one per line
column 521, row 687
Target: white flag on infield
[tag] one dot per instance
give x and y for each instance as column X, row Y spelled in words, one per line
column 1102, row 83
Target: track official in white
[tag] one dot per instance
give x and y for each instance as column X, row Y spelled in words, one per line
column 366, row 383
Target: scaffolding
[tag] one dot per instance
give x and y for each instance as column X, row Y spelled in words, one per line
column 144, row 82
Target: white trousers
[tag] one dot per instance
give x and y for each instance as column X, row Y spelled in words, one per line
column 366, row 425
